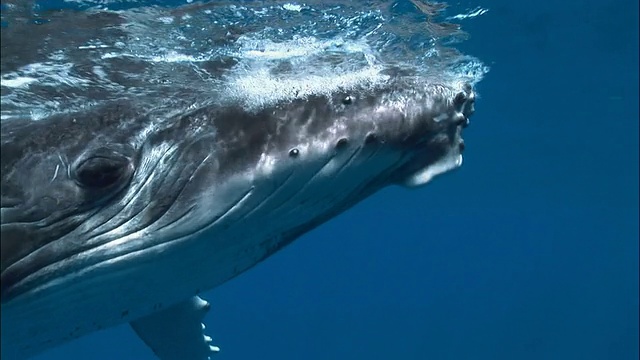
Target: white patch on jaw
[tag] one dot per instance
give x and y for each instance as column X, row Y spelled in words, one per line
column 452, row 161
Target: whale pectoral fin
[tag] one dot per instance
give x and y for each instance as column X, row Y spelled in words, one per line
column 176, row 333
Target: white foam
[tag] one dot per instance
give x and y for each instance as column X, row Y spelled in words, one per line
column 89, row 47
column 20, row 81
column 292, row 7
column 173, row 56
column 262, row 88
column 166, row 19
column 47, row 74
column 298, row 47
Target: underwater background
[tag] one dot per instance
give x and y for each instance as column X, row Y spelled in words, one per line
column 529, row 251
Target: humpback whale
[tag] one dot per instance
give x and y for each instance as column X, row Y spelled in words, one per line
column 113, row 216
column 122, row 212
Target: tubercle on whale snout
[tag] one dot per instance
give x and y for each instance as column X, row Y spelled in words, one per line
column 438, row 112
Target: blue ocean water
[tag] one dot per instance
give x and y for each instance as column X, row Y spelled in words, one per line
column 529, row 251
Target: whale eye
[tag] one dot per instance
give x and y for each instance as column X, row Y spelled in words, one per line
column 100, row 172
column 294, row 152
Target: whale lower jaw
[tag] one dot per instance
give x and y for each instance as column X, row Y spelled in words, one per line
column 448, row 163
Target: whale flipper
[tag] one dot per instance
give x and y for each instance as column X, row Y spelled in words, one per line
column 177, row 333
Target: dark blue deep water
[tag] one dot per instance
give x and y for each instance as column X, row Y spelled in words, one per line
column 529, row 251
